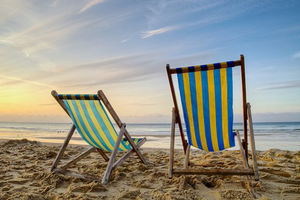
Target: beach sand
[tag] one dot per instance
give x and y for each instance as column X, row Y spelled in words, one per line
column 25, row 165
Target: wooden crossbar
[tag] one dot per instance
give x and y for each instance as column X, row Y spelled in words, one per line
column 174, row 71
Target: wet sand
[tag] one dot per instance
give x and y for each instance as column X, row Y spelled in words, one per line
column 25, row 165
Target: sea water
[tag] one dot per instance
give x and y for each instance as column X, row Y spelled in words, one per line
column 280, row 135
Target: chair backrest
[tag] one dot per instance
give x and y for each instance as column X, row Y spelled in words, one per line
column 91, row 120
column 207, row 100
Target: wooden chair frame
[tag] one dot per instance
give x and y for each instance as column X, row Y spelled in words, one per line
column 247, row 117
column 111, row 161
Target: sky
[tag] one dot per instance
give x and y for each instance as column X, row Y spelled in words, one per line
column 122, row 48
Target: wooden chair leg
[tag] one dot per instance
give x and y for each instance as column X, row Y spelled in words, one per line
column 113, row 156
column 171, row 161
column 134, row 147
column 110, row 109
column 246, row 166
column 63, row 148
column 186, row 163
column 252, row 143
column 128, row 154
column 102, row 153
column 242, row 150
column 187, row 157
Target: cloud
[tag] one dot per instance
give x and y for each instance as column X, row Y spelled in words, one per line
column 131, row 68
column 123, row 41
column 296, row 55
column 151, row 33
column 281, row 85
column 43, row 35
column 26, row 81
column 55, row 3
column 196, row 14
column 90, row 4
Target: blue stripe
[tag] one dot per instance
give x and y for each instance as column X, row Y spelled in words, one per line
column 101, row 122
column 217, row 66
column 77, row 96
column 107, row 117
column 218, row 102
column 182, row 94
column 204, row 67
column 104, row 127
column 92, row 125
column 206, row 110
column 191, row 69
column 230, row 64
column 86, row 96
column 195, row 108
column 230, row 107
column 75, row 122
column 82, row 123
column 135, row 140
column 110, row 136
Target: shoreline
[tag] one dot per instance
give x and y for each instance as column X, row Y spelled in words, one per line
column 285, row 136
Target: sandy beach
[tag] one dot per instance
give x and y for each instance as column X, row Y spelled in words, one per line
column 25, row 165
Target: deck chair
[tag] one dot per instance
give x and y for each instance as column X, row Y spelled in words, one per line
column 207, row 100
column 94, row 126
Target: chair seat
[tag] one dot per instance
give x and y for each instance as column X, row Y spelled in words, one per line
column 93, row 124
column 126, row 144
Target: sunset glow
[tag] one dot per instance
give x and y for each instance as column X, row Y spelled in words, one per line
column 122, row 47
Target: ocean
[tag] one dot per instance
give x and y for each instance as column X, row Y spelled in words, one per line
column 280, row 135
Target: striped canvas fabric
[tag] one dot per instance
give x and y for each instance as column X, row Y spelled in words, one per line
column 93, row 123
column 206, row 96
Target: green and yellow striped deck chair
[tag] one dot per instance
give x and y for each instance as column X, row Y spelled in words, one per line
column 206, row 93
column 94, row 126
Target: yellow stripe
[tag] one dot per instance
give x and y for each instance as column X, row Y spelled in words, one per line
column 212, row 107
column 87, row 124
column 210, row 67
column 200, row 109
column 98, row 127
column 197, row 66
column 78, row 122
column 224, row 99
column 188, row 102
column 223, row 65
column 108, row 124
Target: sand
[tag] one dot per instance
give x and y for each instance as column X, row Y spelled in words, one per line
column 24, row 174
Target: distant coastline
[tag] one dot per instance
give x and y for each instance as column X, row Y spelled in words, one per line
column 280, row 135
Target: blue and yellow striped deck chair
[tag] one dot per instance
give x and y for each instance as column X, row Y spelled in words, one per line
column 206, row 93
column 94, row 126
